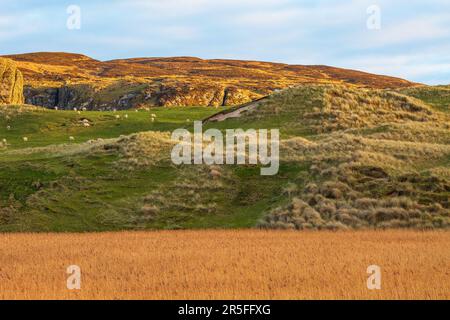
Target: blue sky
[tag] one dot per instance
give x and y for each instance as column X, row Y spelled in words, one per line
column 413, row 41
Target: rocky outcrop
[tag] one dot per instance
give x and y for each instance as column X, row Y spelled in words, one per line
column 203, row 95
column 123, row 95
column 65, row 97
column 11, row 83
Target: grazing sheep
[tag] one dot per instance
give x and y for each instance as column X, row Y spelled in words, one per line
column 126, row 116
column 25, row 139
column 71, row 138
column 117, row 117
column 8, row 127
column 215, row 173
column 153, row 119
column 153, row 115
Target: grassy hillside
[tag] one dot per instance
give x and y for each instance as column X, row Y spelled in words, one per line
column 438, row 96
column 44, row 127
column 350, row 158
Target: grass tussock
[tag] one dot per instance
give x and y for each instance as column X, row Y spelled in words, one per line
column 380, row 160
column 346, row 107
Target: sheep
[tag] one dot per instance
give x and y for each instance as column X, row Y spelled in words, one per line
column 117, row 117
column 153, row 115
column 126, row 116
column 75, row 109
column 71, row 138
column 8, row 127
column 25, row 139
column 56, row 108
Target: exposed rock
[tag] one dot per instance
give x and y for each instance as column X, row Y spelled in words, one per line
column 203, row 95
column 11, row 83
column 132, row 96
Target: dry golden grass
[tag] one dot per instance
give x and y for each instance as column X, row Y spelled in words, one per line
column 226, row 265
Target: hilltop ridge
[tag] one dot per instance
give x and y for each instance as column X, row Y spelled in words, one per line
column 67, row 80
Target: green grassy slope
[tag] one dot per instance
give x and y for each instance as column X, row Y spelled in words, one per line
column 349, row 159
column 438, row 96
column 44, row 127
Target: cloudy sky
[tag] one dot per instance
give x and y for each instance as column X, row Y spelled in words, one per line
column 413, row 40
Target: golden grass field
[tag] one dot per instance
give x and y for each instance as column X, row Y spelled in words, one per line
column 226, row 265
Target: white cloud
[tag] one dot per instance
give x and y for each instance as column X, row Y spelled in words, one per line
column 179, row 8
column 12, row 26
column 269, row 18
column 178, row 32
column 419, row 29
column 415, row 66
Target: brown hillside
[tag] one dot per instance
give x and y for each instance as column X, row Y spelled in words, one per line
column 68, row 80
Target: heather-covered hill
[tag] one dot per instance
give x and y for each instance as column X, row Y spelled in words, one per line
column 66, row 80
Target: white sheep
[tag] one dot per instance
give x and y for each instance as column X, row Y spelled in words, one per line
column 126, row 116
column 56, row 108
column 25, row 139
column 71, row 138
column 153, row 115
column 117, row 117
column 8, row 127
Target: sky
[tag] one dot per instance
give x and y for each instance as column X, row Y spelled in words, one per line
column 405, row 38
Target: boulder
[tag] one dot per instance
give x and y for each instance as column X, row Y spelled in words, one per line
column 11, row 83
